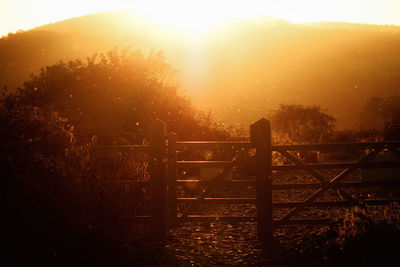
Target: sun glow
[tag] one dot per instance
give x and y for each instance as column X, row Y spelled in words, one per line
column 185, row 16
column 194, row 19
column 197, row 17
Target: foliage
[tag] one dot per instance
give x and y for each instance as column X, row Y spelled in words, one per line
column 343, row 136
column 391, row 132
column 115, row 95
column 378, row 112
column 301, row 124
column 271, row 62
column 42, row 203
column 369, row 237
column 57, row 207
column 56, row 211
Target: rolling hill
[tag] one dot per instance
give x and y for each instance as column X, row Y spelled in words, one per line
column 241, row 69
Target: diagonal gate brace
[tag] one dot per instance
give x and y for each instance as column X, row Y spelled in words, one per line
column 324, row 185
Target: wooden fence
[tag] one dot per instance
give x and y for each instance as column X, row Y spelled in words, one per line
column 164, row 181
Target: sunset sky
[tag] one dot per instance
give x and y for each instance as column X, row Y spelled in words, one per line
column 26, row 14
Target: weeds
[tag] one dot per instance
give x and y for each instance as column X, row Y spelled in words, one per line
column 370, row 236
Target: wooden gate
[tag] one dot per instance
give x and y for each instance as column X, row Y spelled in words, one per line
column 164, row 180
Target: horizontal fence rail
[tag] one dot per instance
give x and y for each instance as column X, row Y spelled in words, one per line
column 230, row 219
column 358, row 184
column 338, row 146
column 299, row 147
column 164, row 179
column 290, row 204
column 288, row 167
column 135, row 148
column 214, row 144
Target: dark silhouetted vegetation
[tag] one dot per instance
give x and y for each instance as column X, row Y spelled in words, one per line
column 115, row 95
column 332, row 65
column 391, row 132
column 378, row 112
column 301, row 124
column 57, row 210
column 369, row 237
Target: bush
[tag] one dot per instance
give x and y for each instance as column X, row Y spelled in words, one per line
column 55, row 211
column 369, row 237
column 301, row 124
column 378, row 112
column 43, row 204
column 115, row 95
column 391, row 132
column 56, row 207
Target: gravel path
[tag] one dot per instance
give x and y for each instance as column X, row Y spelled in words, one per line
column 226, row 244
column 236, row 244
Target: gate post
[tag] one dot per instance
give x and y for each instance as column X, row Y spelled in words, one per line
column 171, row 181
column 260, row 139
column 157, row 177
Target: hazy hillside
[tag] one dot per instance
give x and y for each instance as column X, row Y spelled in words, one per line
column 242, row 69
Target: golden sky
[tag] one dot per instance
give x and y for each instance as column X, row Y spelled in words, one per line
column 26, row 14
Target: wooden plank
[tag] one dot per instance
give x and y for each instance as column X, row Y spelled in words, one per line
column 218, row 200
column 157, row 177
column 343, row 165
column 298, row 166
column 323, row 204
column 260, row 138
column 206, row 191
column 313, row 166
column 301, row 164
column 106, row 149
column 338, row 146
column 203, row 164
column 383, row 183
column 355, row 184
column 171, row 181
column 245, row 144
column 336, row 179
column 302, row 205
column 359, row 164
column 214, row 144
column 311, row 171
column 125, row 181
column 219, row 183
column 282, row 205
column 217, row 218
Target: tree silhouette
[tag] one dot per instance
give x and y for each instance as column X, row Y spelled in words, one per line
column 115, row 95
column 51, row 196
column 301, row 124
column 378, row 112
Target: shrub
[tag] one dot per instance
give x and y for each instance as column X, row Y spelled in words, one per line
column 301, row 124
column 391, row 132
column 370, row 237
column 55, row 210
column 115, row 95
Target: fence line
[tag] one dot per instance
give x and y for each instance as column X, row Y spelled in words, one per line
column 162, row 149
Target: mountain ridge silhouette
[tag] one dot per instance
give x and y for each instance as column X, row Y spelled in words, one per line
column 242, row 68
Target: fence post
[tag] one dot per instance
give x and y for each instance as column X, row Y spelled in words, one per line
column 171, row 181
column 157, row 177
column 260, row 138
